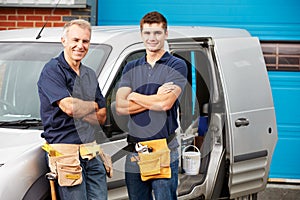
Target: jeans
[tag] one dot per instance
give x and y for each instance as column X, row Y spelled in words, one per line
column 93, row 186
column 163, row 189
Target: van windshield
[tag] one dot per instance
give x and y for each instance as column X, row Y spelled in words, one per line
column 20, row 67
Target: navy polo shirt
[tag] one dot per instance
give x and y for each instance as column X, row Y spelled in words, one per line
column 142, row 78
column 57, row 81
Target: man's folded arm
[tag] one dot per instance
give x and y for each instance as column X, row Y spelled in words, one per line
column 162, row 101
column 77, row 108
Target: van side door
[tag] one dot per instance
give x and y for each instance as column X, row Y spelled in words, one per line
column 250, row 122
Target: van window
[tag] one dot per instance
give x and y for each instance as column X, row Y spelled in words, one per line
column 196, row 93
column 20, row 67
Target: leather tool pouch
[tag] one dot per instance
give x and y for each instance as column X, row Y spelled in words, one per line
column 90, row 150
column 67, row 165
column 106, row 159
column 157, row 163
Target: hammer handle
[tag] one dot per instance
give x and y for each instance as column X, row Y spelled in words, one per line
column 52, row 187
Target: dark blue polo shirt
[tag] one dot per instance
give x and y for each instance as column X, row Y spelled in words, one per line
column 144, row 79
column 57, row 81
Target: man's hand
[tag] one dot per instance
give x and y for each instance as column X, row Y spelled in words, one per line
column 166, row 88
column 97, row 117
column 77, row 108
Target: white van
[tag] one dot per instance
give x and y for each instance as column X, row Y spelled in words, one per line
column 228, row 90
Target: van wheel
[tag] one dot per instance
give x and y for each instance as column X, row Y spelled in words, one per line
column 39, row 190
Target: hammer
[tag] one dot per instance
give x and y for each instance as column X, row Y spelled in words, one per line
column 51, row 176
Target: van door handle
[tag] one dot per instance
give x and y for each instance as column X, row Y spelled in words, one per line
column 241, row 122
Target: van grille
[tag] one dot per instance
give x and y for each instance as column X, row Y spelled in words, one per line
column 250, row 175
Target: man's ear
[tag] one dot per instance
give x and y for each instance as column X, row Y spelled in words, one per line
column 63, row 40
column 167, row 34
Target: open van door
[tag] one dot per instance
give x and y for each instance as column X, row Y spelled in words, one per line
column 250, row 123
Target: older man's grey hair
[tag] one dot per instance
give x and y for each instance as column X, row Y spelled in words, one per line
column 79, row 22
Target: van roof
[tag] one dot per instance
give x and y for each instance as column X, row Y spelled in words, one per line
column 101, row 34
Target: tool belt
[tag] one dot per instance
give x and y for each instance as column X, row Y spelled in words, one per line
column 64, row 161
column 155, row 164
column 131, row 148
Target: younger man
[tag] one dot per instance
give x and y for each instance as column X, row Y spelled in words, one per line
column 149, row 92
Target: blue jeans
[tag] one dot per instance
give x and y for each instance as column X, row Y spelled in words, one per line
column 163, row 189
column 93, row 186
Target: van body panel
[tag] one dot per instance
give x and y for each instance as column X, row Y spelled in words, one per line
column 250, row 112
column 245, row 77
column 22, row 163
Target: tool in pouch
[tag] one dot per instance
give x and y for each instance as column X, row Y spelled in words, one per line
column 154, row 159
column 67, row 165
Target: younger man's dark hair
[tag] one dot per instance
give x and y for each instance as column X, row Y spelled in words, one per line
column 154, row 17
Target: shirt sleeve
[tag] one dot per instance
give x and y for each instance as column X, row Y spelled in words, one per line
column 125, row 80
column 100, row 98
column 178, row 73
column 90, row 87
column 52, row 82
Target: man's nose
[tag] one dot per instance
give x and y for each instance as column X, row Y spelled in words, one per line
column 152, row 36
column 80, row 44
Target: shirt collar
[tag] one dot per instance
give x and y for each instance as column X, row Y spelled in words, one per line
column 164, row 58
column 62, row 60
